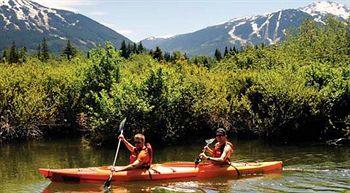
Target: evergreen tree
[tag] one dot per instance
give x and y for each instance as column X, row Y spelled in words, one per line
column 13, row 54
column 218, row 55
column 134, row 49
column 4, row 55
column 195, row 60
column 123, row 48
column 158, row 54
column 206, row 63
column 69, row 51
column 177, row 56
column 128, row 50
column 38, row 52
column 185, row 56
column 23, row 55
column 167, row 56
column 140, row 48
column 234, row 51
column 226, row 52
column 45, row 51
column 262, row 45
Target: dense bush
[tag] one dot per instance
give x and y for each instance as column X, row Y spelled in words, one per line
column 295, row 90
column 36, row 96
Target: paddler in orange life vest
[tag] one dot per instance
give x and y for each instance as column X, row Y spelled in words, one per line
column 222, row 151
column 141, row 153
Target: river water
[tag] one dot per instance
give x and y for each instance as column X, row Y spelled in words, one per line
column 307, row 168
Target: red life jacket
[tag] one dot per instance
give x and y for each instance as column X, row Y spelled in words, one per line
column 136, row 152
column 219, row 149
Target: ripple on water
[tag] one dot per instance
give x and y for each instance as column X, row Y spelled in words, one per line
column 308, row 168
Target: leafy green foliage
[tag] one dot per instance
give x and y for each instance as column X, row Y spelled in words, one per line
column 37, row 96
column 296, row 90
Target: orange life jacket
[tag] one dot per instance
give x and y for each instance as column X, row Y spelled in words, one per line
column 219, row 149
column 136, row 152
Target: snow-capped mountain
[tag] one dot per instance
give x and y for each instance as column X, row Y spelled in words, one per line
column 268, row 29
column 327, row 7
column 27, row 23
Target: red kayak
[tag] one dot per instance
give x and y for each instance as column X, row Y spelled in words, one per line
column 166, row 171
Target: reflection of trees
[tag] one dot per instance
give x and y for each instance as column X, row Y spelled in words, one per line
column 19, row 162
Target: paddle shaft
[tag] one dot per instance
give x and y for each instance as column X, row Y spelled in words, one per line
column 198, row 160
column 108, row 182
column 116, row 156
column 116, row 153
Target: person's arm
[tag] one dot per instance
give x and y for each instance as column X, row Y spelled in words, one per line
column 221, row 158
column 127, row 144
column 207, row 149
column 141, row 158
column 130, row 166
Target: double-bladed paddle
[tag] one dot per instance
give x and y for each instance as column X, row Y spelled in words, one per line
column 108, row 182
column 198, row 159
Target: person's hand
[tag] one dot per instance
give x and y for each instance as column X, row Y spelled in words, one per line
column 121, row 137
column 206, row 148
column 112, row 169
column 203, row 156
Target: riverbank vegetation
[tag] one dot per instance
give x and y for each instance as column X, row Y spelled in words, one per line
column 295, row 90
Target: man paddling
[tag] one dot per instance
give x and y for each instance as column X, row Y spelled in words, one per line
column 141, row 153
column 222, row 151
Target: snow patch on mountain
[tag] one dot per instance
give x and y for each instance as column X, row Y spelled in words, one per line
column 4, row 3
column 28, row 11
column 82, row 41
column 18, row 17
column 151, row 38
column 236, row 37
column 75, row 23
column 277, row 27
column 57, row 36
column 255, row 29
column 159, row 38
column 327, row 7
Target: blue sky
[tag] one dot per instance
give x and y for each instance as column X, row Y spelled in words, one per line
column 139, row 19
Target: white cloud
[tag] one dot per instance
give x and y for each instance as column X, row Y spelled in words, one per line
column 70, row 5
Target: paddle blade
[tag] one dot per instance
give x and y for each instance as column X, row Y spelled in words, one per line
column 121, row 126
column 197, row 161
column 107, row 184
column 209, row 141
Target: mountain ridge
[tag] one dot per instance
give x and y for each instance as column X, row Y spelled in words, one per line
column 27, row 23
column 268, row 28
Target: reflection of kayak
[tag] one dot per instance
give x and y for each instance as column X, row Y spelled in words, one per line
column 171, row 170
column 76, row 188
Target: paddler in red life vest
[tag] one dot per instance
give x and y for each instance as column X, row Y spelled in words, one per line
column 222, row 151
column 141, row 153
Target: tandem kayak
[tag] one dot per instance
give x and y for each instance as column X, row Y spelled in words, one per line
column 165, row 171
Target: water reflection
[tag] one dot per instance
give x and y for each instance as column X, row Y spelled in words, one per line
column 307, row 167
